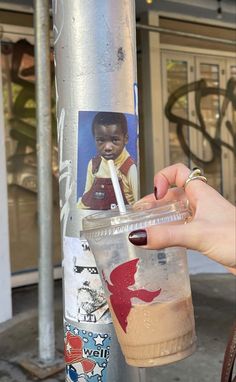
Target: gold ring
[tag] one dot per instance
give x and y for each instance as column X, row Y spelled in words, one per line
column 195, row 174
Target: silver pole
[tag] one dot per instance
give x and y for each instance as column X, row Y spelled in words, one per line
column 43, row 99
column 153, row 28
column 5, row 270
column 95, row 61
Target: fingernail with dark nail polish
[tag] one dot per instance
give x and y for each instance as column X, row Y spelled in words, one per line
column 155, row 193
column 138, row 237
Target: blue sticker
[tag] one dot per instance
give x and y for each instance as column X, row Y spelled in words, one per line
column 86, row 355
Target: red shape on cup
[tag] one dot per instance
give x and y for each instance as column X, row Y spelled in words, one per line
column 122, row 277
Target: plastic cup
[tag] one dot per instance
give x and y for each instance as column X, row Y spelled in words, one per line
column 148, row 291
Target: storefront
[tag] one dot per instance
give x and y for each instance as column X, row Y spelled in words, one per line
column 188, row 98
column 187, row 90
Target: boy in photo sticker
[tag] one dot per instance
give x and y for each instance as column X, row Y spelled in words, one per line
column 110, row 133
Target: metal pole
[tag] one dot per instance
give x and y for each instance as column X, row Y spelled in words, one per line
column 153, row 28
column 44, row 133
column 5, row 269
column 95, row 61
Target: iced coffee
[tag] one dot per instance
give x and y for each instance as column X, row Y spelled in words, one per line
column 158, row 333
column 148, row 291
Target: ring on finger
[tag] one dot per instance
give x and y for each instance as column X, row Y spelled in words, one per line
column 195, row 174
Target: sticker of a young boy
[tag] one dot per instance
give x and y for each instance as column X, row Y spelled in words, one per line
column 110, row 132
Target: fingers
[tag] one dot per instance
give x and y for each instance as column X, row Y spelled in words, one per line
column 172, row 194
column 172, row 175
column 177, row 175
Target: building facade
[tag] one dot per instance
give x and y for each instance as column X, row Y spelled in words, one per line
column 187, row 110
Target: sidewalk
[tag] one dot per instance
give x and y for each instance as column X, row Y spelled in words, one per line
column 214, row 298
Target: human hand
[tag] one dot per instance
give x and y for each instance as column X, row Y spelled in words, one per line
column 212, row 228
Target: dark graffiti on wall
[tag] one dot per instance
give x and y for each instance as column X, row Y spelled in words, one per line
column 22, row 73
column 19, row 96
column 216, row 143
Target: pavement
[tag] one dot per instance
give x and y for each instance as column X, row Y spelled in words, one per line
column 214, row 299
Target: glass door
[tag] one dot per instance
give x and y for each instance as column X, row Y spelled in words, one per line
column 200, row 117
column 177, row 75
column 17, row 66
column 230, row 153
column 211, row 74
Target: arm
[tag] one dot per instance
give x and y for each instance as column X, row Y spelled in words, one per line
column 88, row 184
column 132, row 178
column 89, row 178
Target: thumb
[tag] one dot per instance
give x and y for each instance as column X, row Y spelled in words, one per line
column 166, row 235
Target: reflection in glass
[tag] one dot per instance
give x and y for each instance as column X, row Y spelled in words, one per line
column 233, row 75
column 17, row 65
column 177, row 76
column 210, row 111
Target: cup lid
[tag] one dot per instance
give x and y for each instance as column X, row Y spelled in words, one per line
column 141, row 215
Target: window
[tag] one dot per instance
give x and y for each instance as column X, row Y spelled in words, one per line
column 199, row 115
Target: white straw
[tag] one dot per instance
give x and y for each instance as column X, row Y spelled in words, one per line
column 116, row 186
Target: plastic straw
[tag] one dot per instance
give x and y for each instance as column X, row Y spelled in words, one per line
column 116, row 186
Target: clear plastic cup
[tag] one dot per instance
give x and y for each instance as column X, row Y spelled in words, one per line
column 148, row 291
